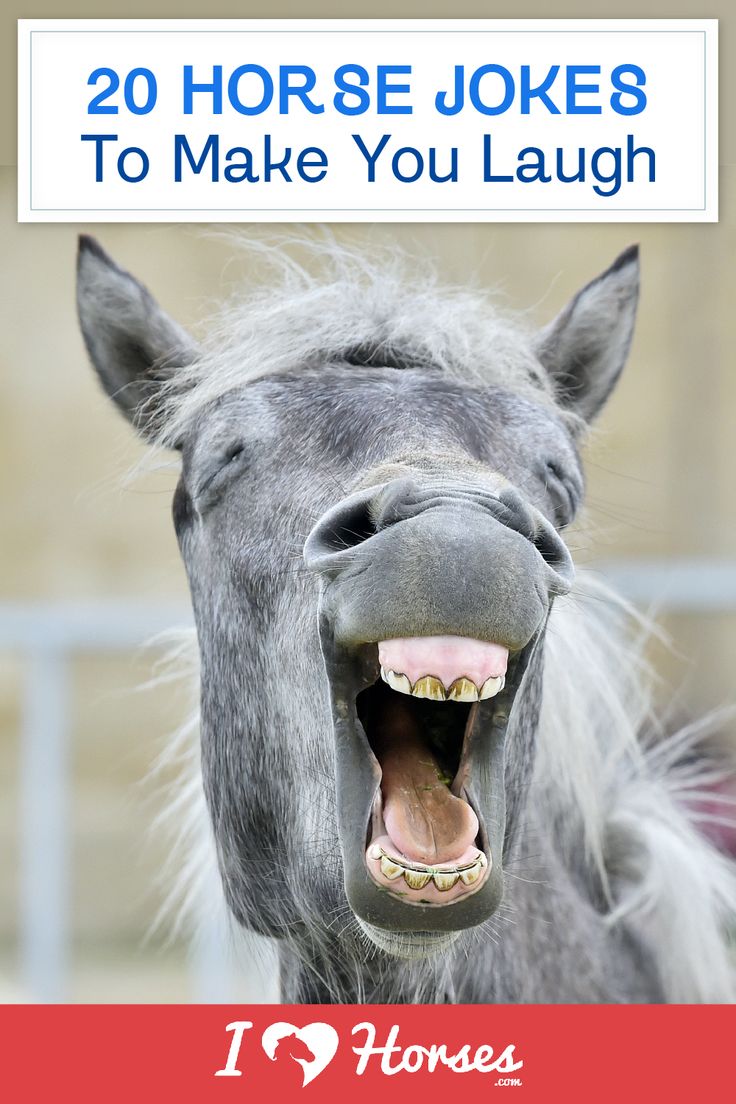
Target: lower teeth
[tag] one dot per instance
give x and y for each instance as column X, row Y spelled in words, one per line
column 444, row 880
column 415, row 880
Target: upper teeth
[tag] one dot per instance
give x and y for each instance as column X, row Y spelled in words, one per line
column 417, row 875
column 461, row 690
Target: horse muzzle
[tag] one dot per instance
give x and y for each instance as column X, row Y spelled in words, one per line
column 434, row 597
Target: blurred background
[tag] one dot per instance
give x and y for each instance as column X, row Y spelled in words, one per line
column 89, row 568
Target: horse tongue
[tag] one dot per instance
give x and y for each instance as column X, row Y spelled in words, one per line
column 425, row 822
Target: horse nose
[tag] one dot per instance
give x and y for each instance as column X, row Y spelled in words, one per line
column 332, row 543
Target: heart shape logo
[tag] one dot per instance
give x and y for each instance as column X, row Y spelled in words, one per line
column 312, row 1046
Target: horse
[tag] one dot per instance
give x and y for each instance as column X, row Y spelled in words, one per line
column 290, row 1052
column 428, row 753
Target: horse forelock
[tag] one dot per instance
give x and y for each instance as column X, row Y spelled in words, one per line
column 325, row 303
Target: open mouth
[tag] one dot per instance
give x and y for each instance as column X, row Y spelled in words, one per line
column 422, row 721
column 425, row 842
column 420, row 727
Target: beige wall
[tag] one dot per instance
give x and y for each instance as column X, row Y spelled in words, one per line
column 661, row 466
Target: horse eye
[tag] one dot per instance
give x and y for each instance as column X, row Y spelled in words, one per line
column 218, row 474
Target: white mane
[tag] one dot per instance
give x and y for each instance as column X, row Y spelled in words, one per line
column 605, row 763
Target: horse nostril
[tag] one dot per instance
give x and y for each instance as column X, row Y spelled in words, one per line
column 341, row 529
column 552, row 549
column 556, row 556
column 349, row 527
column 516, row 514
column 532, row 525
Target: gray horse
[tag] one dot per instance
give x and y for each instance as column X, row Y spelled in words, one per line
column 431, row 771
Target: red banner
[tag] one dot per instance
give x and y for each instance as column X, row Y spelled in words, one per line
column 182, row 1053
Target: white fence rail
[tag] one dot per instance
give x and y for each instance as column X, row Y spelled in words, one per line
column 48, row 637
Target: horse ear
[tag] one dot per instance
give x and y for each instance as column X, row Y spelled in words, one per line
column 585, row 348
column 134, row 346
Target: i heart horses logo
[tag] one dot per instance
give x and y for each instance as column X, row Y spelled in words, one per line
column 312, row 1046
